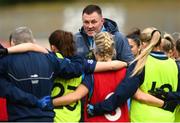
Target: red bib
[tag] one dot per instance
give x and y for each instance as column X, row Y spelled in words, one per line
column 3, row 110
column 105, row 84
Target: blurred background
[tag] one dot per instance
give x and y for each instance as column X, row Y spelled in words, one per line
column 45, row 16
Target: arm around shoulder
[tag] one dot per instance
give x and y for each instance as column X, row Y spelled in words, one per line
column 148, row 99
column 111, row 65
column 79, row 93
column 25, row 47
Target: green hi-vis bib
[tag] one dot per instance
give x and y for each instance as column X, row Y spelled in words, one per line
column 177, row 114
column 59, row 55
column 68, row 113
column 158, row 73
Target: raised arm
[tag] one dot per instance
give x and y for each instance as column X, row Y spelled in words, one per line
column 25, row 47
column 111, row 65
column 79, row 93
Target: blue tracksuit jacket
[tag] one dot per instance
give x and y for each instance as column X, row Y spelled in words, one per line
column 33, row 73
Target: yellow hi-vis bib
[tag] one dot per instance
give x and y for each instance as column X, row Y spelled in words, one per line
column 158, row 73
column 177, row 114
column 68, row 113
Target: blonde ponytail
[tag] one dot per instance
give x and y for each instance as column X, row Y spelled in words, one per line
column 141, row 59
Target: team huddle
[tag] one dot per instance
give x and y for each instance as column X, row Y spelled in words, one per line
column 95, row 75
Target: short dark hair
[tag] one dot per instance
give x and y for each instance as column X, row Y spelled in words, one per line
column 135, row 35
column 89, row 9
column 178, row 45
